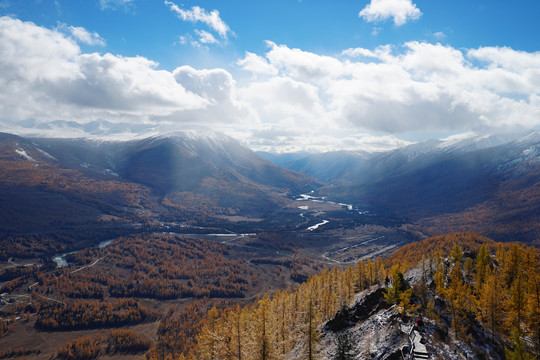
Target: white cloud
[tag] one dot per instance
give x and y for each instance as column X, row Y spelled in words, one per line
column 439, row 35
column 218, row 88
column 282, row 138
column 83, row 35
column 202, row 39
column 30, row 53
column 293, row 98
column 359, row 52
column 256, row 64
column 216, row 85
column 506, row 58
column 205, row 37
column 188, row 39
column 401, row 10
column 284, row 99
column 419, row 87
column 301, row 64
column 198, row 14
column 44, row 76
column 115, row 4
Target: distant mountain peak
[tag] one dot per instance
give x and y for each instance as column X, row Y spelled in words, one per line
column 195, row 133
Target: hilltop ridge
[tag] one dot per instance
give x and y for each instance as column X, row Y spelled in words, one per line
column 478, row 300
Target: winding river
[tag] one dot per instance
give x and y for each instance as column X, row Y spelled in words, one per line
column 60, row 259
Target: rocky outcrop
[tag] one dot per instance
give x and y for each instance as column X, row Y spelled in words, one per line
column 366, row 307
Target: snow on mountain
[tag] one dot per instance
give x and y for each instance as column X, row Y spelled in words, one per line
column 521, row 156
column 23, row 153
column 373, row 329
column 479, row 142
column 205, row 140
column 413, row 151
column 531, row 138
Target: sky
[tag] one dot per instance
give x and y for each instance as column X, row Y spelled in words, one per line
column 279, row 75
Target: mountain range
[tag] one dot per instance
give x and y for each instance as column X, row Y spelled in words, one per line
column 486, row 183
column 179, row 176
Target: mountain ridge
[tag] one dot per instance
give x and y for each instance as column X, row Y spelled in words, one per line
column 184, row 174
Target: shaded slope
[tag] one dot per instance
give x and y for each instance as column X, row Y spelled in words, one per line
column 493, row 190
column 332, row 166
column 186, row 175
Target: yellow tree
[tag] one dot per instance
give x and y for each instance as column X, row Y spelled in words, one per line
column 236, row 328
column 456, row 293
column 491, row 302
column 310, row 317
column 515, row 304
column 399, row 285
column 518, row 351
column 531, row 269
column 456, row 254
column 360, row 276
column 440, row 279
column 483, row 261
column 288, row 324
column 405, row 302
column 510, row 263
column 260, row 330
column 311, row 329
column 469, row 270
column 209, row 338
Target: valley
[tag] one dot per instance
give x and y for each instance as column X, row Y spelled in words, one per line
column 269, row 180
column 235, row 263
column 148, row 236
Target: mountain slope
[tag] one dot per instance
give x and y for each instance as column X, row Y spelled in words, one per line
column 186, row 174
column 331, row 166
column 468, row 290
column 183, row 159
column 347, row 168
column 493, row 190
column 40, row 193
column 281, row 159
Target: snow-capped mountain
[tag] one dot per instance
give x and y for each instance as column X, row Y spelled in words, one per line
column 359, row 167
column 479, row 183
column 188, row 174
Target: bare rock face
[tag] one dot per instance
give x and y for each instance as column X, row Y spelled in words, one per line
column 366, row 307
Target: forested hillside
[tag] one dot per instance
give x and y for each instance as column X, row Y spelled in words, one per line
column 471, row 287
column 69, row 185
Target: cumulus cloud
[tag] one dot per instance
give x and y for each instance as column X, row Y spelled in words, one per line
column 197, row 14
column 400, row 10
column 284, row 99
column 416, row 87
column 216, row 86
column 256, row 64
column 200, row 39
column 292, row 99
column 506, row 58
column 301, row 64
column 82, row 35
column 44, row 76
column 359, row 52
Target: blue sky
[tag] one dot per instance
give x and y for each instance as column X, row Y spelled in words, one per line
column 278, row 75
